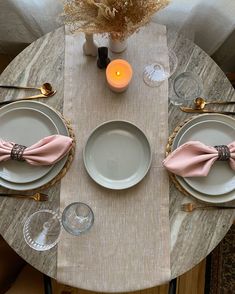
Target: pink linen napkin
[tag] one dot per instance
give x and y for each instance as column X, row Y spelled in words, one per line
column 194, row 159
column 47, row 151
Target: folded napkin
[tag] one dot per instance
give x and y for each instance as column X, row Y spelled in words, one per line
column 194, row 159
column 47, row 151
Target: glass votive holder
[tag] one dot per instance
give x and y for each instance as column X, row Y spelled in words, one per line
column 186, row 87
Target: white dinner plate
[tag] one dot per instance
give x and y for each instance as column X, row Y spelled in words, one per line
column 24, row 126
column 117, row 155
column 210, row 129
column 62, row 129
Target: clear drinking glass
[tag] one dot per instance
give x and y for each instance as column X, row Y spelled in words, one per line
column 186, row 87
column 42, row 230
column 155, row 73
column 77, row 218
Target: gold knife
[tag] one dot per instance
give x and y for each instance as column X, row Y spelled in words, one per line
column 192, row 110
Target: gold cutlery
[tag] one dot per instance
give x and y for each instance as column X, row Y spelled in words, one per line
column 45, row 89
column 193, row 110
column 36, row 196
column 189, row 207
column 29, row 98
column 200, row 103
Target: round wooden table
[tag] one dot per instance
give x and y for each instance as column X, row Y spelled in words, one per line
column 193, row 235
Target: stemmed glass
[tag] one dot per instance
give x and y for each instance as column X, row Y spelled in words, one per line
column 155, row 73
column 43, row 228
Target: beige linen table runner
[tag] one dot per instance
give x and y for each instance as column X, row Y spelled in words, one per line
column 128, row 247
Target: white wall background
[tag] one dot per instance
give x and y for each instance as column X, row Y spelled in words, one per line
column 208, row 22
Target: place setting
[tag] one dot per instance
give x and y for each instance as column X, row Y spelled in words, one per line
column 36, row 145
column 199, row 157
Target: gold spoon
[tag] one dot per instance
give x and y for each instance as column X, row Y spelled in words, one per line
column 200, row 103
column 30, row 98
column 45, row 89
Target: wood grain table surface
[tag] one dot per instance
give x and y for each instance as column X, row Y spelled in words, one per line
column 193, row 236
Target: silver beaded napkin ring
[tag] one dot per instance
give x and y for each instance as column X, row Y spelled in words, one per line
column 223, row 152
column 17, row 152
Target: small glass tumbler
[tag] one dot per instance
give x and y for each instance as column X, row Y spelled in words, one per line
column 77, row 218
column 42, row 230
column 186, row 87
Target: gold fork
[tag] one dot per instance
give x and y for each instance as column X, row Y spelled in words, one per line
column 189, row 207
column 37, row 196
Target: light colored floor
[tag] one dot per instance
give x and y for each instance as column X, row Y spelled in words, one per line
column 190, row 283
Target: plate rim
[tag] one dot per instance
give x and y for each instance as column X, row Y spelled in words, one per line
column 132, row 125
column 53, row 124
column 230, row 196
column 59, row 165
column 210, row 199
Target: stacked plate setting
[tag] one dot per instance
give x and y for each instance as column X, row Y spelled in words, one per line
column 25, row 123
column 212, row 130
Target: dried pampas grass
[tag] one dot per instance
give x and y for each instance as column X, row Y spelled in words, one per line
column 120, row 18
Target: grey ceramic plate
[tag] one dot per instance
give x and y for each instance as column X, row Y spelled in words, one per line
column 211, row 129
column 58, row 166
column 24, row 126
column 117, row 155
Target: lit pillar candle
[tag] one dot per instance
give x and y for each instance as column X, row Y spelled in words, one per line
column 118, row 74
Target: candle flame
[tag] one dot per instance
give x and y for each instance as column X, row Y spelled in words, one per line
column 118, row 73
